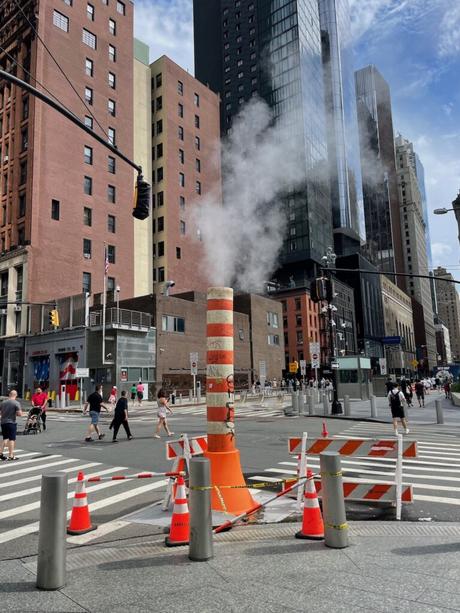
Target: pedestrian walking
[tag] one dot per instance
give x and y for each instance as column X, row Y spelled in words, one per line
column 40, row 401
column 139, row 393
column 396, row 401
column 113, row 397
column 447, row 388
column 389, row 385
column 10, row 409
column 133, row 392
column 95, row 404
column 121, row 418
column 420, row 393
column 163, row 407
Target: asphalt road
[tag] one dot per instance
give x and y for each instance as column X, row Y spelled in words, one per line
column 263, row 445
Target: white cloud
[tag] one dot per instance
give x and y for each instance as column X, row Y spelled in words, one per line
column 440, row 249
column 449, row 41
column 447, row 108
column 167, row 27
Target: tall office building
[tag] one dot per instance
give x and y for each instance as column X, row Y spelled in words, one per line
column 448, row 308
column 63, row 195
column 342, row 127
column 380, row 189
column 273, row 49
column 415, row 256
column 185, row 168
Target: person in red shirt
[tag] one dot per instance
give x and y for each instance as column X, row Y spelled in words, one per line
column 40, row 399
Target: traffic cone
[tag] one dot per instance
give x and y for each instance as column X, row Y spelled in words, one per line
column 80, row 520
column 312, row 522
column 324, row 432
column 179, row 533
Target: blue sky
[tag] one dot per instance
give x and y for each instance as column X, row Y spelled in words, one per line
column 416, row 46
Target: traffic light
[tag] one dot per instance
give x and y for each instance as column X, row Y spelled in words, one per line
column 54, row 318
column 141, row 208
column 322, row 289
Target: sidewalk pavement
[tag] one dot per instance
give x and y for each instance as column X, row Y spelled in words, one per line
column 389, row 566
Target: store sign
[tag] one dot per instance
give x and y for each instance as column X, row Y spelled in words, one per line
column 123, row 374
column 81, row 373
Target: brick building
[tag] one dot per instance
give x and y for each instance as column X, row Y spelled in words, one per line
column 185, row 168
column 63, row 195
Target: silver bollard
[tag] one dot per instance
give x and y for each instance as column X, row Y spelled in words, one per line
column 302, row 410
column 335, row 519
column 373, row 407
column 294, row 402
column 346, row 405
column 51, row 561
column 311, row 404
column 198, row 392
column 439, row 412
column 325, row 404
column 201, row 544
column 190, row 395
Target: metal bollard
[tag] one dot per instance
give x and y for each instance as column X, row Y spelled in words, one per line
column 346, row 405
column 439, row 412
column 180, row 398
column 51, row 561
column 302, row 410
column 311, row 404
column 373, row 407
column 325, row 404
column 294, row 402
column 335, row 519
column 201, row 544
column 198, row 392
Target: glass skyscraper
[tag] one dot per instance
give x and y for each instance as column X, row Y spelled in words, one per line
column 272, row 48
column 343, row 142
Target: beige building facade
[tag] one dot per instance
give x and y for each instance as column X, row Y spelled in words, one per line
column 448, row 308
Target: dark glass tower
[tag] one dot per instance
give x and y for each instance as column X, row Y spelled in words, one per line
column 273, row 48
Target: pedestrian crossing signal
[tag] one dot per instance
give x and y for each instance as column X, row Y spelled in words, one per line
column 141, row 208
column 54, row 318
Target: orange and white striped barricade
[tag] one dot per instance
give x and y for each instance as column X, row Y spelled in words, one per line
column 397, row 448
column 180, row 451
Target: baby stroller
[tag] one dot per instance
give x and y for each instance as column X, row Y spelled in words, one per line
column 33, row 422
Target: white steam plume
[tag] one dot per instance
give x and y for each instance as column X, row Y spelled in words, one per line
column 261, row 161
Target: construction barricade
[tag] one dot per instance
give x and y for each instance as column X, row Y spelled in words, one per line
column 362, row 491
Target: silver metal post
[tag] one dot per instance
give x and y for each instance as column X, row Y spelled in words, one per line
column 201, row 545
column 439, row 412
column 294, row 402
column 373, row 407
column 198, row 392
column 398, row 478
column 346, row 405
column 335, row 519
column 301, row 401
column 311, row 404
column 325, row 404
column 51, row 562
column 190, row 395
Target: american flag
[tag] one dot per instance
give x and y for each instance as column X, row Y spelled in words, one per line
column 106, row 263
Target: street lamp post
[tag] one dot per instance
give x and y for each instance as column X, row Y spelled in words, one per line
column 455, row 208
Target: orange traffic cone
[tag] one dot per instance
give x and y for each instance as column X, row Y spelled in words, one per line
column 312, row 523
column 179, row 533
column 324, row 432
column 80, row 520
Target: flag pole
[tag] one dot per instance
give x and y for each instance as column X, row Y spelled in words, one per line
column 104, row 303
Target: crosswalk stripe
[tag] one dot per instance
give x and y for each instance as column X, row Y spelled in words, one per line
column 35, row 477
column 32, row 468
column 100, row 504
column 102, row 530
column 440, row 499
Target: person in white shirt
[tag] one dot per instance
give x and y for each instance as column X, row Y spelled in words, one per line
column 397, row 401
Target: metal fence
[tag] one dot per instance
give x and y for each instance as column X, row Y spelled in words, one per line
column 123, row 318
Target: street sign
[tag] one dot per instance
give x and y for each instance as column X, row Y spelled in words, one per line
column 293, row 367
column 414, row 363
column 391, row 340
column 193, row 368
column 303, row 367
column 335, row 365
column 314, row 353
column 383, row 366
column 81, row 373
column 123, row 374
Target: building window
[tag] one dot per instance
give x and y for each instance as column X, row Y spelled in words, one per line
column 161, row 249
column 197, row 121
column 112, row 80
column 60, row 21
column 89, row 122
column 170, row 323
column 180, row 110
column 87, row 216
column 198, row 165
column 121, row 8
column 181, row 156
column 158, row 80
column 110, row 284
column 88, row 154
column 159, row 103
column 86, row 286
column 24, row 139
column 196, row 99
column 23, row 173
column 297, row 304
column 180, row 88
column 161, row 274
column 182, row 227
column 197, row 143
column 159, row 150
column 272, row 319
column 111, row 254
column 112, row 136
column 89, row 67
column 88, row 186
column 112, row 53
column 25, row 108
column 198, row 187
column 111, row 223
column 111, row 165
column 113, row 27
column 178, row 253
column 159, row 126
column 68, row 2
column 160, row 199
column 181, row 179
column 89, row 38
column 88, row 95
column 273, row 339
column 55, row 209
column 181, row 202
column 87, row 248
column 111, row 107
column 111, row 193
column 90, row 12
column 180, row 133
column 299, row 336
column 161, row 224
column 22, row 205
column 160, row 174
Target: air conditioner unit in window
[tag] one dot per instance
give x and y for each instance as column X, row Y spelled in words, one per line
column 3, row 311
column 17, row 308
column 87, row 256
column 5, row 158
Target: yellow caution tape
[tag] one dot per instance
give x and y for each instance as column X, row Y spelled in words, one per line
column 337, row 474
column 337, row 526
